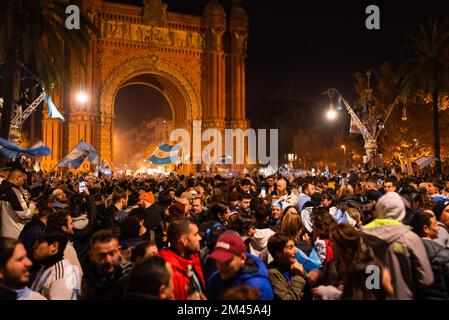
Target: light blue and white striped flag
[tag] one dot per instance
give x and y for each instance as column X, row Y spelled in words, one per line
column 52, row 110
column 165, row 154
column 10, row 150
column 78, row 154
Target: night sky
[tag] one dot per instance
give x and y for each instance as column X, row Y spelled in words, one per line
column 298, row 49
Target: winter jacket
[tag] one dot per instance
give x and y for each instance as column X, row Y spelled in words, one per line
column 110, row 287
column 14, row 210
column 402, row 252
column 254, row 273
column 443, row 235
column 285, row 285
column 179, row 266
column 7, row 294
column 439, row 260
column 81, row 236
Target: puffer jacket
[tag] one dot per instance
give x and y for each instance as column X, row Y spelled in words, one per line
column 439, row 260
column 254, row 273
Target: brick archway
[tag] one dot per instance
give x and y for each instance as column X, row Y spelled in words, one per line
column 197, row 61
column 167, row 78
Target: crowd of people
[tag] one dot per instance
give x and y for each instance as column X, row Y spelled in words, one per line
column 356, row 235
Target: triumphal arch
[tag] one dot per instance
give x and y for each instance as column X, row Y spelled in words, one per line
column 196, row 62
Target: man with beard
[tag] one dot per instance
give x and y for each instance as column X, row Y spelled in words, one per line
column 105, row 277
column 183, row 256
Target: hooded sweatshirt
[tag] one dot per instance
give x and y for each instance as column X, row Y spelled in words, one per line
column 399, row 248
column 439, row 259
column 254, row 273
column 258, row 244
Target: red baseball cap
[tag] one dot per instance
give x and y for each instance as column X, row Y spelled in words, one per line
column 229, row 244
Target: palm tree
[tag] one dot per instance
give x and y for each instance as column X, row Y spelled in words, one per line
column 34, row 31
column 427, row 71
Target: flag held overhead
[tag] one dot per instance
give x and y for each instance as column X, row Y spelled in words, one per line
column 10, row 150
column 165, row 154
column 78, row 154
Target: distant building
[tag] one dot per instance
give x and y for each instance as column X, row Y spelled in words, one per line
column 137, row 143
column 155, row 131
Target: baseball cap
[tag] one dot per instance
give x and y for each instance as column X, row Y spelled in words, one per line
column 228, row 245
column 176, row 209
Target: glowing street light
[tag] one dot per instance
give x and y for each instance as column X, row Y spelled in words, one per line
column 331, row 114
column 81, row 97
column 344, row 148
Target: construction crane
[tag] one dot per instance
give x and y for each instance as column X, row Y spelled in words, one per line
column 20, row 117
column 370, row 141
column 369, row 138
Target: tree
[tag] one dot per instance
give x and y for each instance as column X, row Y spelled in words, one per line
column 427, row 71
column 34, row 31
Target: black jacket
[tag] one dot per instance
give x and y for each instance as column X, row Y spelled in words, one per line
column 7, row 294
column 97, row 287
column 439, row 260
column 81, row 237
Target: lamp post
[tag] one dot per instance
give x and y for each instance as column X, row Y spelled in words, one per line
column 331, row 113
column 81, row 97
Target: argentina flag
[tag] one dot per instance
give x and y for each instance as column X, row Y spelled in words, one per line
column 52, row 110
column 10, row 150
column 165, row 154
column 78, row 154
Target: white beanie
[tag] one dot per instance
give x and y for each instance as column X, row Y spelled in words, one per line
column 390, row 206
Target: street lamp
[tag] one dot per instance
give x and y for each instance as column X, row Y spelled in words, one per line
column 331, row 113
column 344, row 149
column 81, row 97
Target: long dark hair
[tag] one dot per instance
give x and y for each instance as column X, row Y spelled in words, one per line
column 355, row 284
